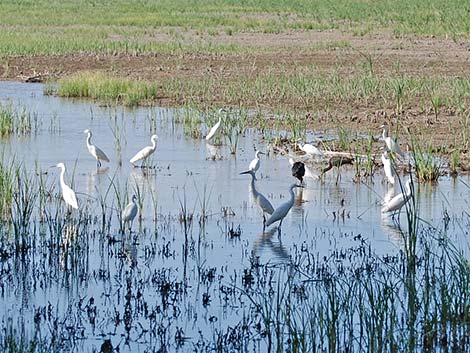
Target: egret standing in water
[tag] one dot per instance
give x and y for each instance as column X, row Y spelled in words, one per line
column 130, row 212
column 282, row 211
column 145, row 152
column 255, row 163
column 216, row 127
column 310, row 149
column 67, row 193
column 259, row 198
column 388, row 168
column 397, row 202
column 95, row 151
column 391, row 143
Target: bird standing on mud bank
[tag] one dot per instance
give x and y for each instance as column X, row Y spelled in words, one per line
column 391, row 143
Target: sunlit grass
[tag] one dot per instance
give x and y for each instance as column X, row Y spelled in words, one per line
column 123, row 26
column 303, row 91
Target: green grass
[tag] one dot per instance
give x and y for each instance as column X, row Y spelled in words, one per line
column 302, row 91
column 60, row 27
column 108, row 89
column 16, row 121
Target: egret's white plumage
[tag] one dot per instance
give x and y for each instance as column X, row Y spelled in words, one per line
column 67, row 193
column 259, row 198
column 311, row 149
column 130, row 212
column 145, row 152
column 397, row 202
column 254, row 164
column 95, row 151
column 216, row 127
column 388, row 168
column 282, row 211
column 391, row 144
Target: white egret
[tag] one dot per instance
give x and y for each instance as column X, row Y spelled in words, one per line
column 259, row 198
column 216, row 127
column 282, row 211
column 310, row 149
column 300, row 170
column 145, row 152
column 67, row 193
column 130, row 212
column 392, row 144
column 94, row 150
column 388, row 168
column 254, row 164
column 397, row 202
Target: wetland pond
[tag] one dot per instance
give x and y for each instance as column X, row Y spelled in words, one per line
column 198, row 273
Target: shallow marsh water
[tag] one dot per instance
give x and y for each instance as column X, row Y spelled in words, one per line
column 163, row 286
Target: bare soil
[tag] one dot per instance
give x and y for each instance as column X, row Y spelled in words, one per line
column 430, row 57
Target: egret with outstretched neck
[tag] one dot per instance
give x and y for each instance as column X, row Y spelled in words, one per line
column 259, row 198
column 388, row 168
column 391, row 143
column 67, row 193
column 397, row 202
column 130, row 212
column 95, row 151
column 145, row 152
column 281, row 212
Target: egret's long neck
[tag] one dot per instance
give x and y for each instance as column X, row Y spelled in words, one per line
column 292, row 196
column 385, row 133
column 408, row 189
column 252, row 185
column 88, row 140
column 154, row 144
column 62, row 172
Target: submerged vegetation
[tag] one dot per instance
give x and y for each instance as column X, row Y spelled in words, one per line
column 343, row 300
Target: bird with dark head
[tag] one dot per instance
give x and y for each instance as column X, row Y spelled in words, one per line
column 298, row 170
column 337, row 161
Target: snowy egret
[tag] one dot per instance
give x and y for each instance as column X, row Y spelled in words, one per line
column 300, row 170
column 388, row 168
column 337, row 161
column 94, row 150
column 310, row 149
column 397, row 202
column 130, row 212
column 282, row 211
column 259, row 198
column 145, row 152
column 392, row 144
column 216, row 127
column 67, row 193
column 254, row 164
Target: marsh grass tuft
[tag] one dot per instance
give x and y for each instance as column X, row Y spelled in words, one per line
column 108, row 89
column 427, row 164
